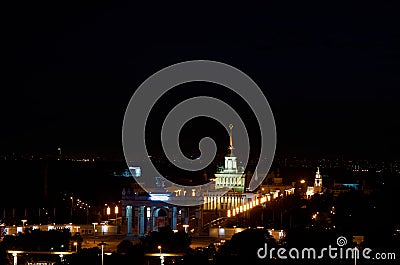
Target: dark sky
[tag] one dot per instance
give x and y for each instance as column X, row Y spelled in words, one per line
column 330, row 71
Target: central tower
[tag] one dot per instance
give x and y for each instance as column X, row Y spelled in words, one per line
column 318, row 182
column 230, row 176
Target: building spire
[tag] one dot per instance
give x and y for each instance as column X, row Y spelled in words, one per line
column 230, row 140
column 318, row 182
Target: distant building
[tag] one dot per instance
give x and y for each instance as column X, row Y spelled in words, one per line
column 103, row 228
column 133, row 171
column 317, row 188
column 339, row 188
column 318, row 182
column 275, row 187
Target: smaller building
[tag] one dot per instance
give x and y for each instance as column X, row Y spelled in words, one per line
column 83, row 229
column 340, row 188
column 317, row 188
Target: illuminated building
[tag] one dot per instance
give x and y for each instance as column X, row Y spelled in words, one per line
column 231, row 176
column 317, row 188
column 318, row 182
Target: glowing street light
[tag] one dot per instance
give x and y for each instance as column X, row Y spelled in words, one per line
column 72, row 205
column 108, row 212
column 76, row 246
column 116, row 213
column 23, row 224
column 94, row 232
column 87, row 213
column 355, row 255
column 102, row 244
column 161, row 256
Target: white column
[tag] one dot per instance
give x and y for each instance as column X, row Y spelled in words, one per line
column 141, row 220
column 174, row 217
column 129, row 219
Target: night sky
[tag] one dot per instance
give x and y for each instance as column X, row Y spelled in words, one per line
column 330, row 71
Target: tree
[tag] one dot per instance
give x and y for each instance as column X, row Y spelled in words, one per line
column 78, row 239
column 169, row 240
column 3, row 255
column 125, row 246
column 243, row 246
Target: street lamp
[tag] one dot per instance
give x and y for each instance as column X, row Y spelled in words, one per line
column 72, row 205
column 108, row 213
column 23, row 224
column 76, row 246
column 94, row 232
column 102, row 244
column 87, row 213
column 161, row 256
column 355, row 255
column 116, row 213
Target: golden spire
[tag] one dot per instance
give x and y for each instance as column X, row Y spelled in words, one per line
column 230, row 140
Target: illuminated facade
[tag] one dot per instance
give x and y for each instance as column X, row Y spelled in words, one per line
column 317, row 188
column 318, row 182
column 144, row 212
column 231, row 176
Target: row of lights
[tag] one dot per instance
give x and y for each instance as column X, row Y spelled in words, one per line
column 248, row 206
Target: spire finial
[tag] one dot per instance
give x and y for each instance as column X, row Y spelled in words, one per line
column 230, row 139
